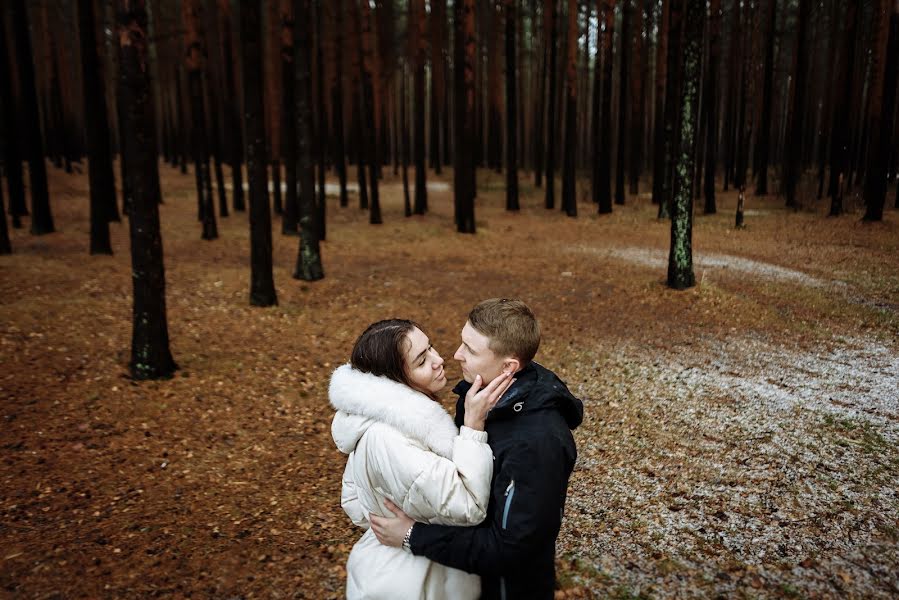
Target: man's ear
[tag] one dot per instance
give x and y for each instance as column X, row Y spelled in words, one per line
column 511, row 365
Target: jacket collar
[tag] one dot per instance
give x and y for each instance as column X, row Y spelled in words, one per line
column 363, row 399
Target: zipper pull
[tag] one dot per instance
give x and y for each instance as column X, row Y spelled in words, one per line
column 509, row 487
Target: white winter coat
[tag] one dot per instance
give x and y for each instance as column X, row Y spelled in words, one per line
column 404, row 446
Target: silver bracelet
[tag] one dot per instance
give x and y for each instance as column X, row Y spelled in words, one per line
column 407, row 539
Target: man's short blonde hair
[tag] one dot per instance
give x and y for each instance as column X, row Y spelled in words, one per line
column 510, row 325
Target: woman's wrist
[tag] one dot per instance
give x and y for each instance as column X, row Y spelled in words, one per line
column 474, row 423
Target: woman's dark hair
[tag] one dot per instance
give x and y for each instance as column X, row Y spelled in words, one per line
column 381, row 347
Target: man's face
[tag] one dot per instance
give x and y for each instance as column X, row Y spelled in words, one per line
column 476, row 358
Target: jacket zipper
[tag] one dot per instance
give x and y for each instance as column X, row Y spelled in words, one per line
column 510, row 492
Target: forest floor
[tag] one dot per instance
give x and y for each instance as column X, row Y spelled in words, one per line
column 740, row 437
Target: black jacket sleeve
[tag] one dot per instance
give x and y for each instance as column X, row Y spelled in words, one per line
column 528, row 495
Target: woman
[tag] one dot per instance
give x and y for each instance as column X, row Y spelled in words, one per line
column 403, row 446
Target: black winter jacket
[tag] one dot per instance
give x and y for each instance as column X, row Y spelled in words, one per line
column 534, row 453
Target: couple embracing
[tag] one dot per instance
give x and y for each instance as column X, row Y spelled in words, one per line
column 464, row 509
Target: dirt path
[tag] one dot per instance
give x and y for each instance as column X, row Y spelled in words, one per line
column 740, row 438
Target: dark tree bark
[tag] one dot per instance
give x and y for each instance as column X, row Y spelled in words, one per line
column 465, row 53
column 100, row 174
column 195, row 56
column 290, row 218
column 262, row 283
column 417, row 48
column 793, row 144
column 41, row 217
column 233, row 134
column 277, row 205
column 150, row 354
column 309, row 263
column 604, row 178
column 339, row 157
column 511, row 108
column 635, row 137
column 623, row 134
column 321, row 123
column 711, row 106
column 680, row 258
column 672, row 96
column 404, row 143
column 764, row 141
column 569, row 196
column 658, row 160
column 882, row 109
column 214, row 92
column 437, row 30
column 369, row 131
column 540, row 108
column 12, row 157
column 550, row 197
column 184, row 138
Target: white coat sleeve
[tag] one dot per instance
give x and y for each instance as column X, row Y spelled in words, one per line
column 453, row 492
column 349, row 498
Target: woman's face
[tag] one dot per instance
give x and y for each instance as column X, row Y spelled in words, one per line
column 423, row 365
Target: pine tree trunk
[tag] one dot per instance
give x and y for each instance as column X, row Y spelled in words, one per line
column 438, row 85
column 672, row 96
column 540, row 108
column 623, row 133
column 309, row 263
column 882, row 109
column 262, row 284
column 404, row 143
column 569, row 195
column 658, row 160
column 337, row 104
column 711, row 103
column 100, row 174
column 604, row 179
column 150, row 354
column 194, row 64
column 41, row 217
column 511, row 108
column 12, row 157
column 635, row 136
column 417, row 46
column 764, row 141
column 465, row 50
column 793, row 145
column 233, row 135
column 290, row 219
column 680, row 258
column 321, row 124
column 551, row 141
column 370, row 139
column 277, row 205
column 5, row 246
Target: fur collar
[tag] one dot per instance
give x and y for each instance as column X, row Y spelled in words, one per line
column 363, row 399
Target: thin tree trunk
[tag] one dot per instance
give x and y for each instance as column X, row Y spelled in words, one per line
column 711, row 104
column 680, row 258
column 465, row 50
column 309, row 263
column 550, row 197
column 41, row 217
column 233, row 134
column 370, row 137
column 262, row 283
column 511, row 108
column 623, row 68
column 604, row 180
column 194, row 58
column 290, row 219
column 337, row 106
column 569, row 195
column 882, row 109
column 635, row 136
column 417, row 47
column 12, row 156
column 100, row 174
column 404, row 143
column 793, row 146
column 150, row 354
column 658, row 161
column 540, row 109
column 764, row 141
column 672, row 95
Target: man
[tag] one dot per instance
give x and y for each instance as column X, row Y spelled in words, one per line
column 529, row 431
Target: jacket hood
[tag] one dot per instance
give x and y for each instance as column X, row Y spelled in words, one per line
column 363, row 399
column 536, row 388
